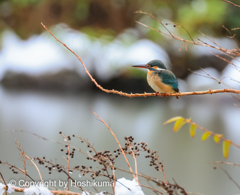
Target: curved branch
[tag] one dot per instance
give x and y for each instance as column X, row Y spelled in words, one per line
column 143, row 94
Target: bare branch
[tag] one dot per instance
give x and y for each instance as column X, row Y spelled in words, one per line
column 152, row 94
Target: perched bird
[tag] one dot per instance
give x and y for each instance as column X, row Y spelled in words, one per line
column 159, row 78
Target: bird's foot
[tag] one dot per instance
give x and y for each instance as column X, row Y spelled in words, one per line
column 156, row 94
column 177, row 96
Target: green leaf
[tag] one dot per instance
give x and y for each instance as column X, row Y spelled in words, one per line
column 217, row 138
column 173, row 119
column 205, row 135
column 226, row 147
column 178, row 124
column 192, row 130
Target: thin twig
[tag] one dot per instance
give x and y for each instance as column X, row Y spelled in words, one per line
column 229, row 176
column 154, row 190
column 227, row 163
column 13, row 166
column 164, row 176
column 229, row 62
column 232, row 36
column 35, row 167
column 68, row 160
column 135, row 162
column 46, row 139
column 201, row 43
column 110, row 162
column 3, row 179
column 117, row 143
column 23, row 158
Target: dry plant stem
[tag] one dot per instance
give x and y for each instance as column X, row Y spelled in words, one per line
column 25, row 170
column 227, row 163
column 229, row 177
column 159, row 182
column 68, row 160
column 151, row 94
column 117, row 143
column 231, row 3
column 114, row 179
column 164, row 176
column 55, row 192
column 18, row 169
column 2, row 178
column 91, row 146
column 6, row 187
column 112, row 166
column 154, row 190
column 35, row 167
column 135, row 162
column 23, row 158
column 183, row 190
column 46, row 139
column 63, row 172
column 210, row 132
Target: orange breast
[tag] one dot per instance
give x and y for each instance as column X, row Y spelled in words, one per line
column 149, row 72
column 157, row 85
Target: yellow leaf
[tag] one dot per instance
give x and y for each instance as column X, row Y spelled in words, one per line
column 205, row 136
column 173, row 119
column 217, row 138
column 226, row 147
column 192, row 130
column 178, row 124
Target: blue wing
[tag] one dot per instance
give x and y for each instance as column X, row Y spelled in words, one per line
column 169, row 78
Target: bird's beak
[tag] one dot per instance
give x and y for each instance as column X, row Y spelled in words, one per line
column 140, row 66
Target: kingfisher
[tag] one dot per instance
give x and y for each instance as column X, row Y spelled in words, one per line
column 159, row 78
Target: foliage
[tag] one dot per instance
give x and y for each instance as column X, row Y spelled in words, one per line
column 180, row 121
column 117, row 15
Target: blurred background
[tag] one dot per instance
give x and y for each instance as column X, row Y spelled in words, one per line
column 44, row 88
